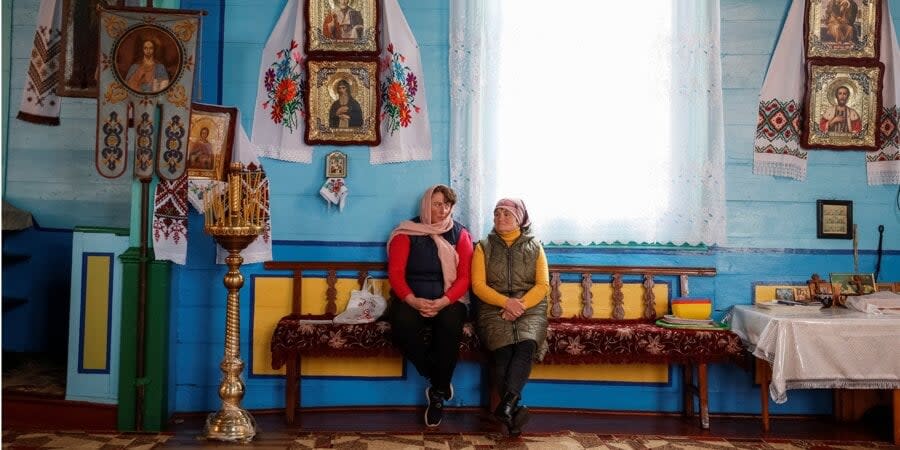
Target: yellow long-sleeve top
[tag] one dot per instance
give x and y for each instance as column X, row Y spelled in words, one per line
column 488, row 295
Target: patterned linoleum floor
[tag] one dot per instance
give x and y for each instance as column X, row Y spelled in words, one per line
column 391, row 441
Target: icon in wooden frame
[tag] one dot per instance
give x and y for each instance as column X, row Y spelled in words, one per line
column 843, row 105
column 336, row 165
column 211, row 141
column 343, row 103
column 842, row 28
column 341, row 27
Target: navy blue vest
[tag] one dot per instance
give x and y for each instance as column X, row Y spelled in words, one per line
column 423, row 268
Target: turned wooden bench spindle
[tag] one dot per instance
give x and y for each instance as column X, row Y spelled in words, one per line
column 331, row 293
column 618, row 298
column 555, row 306
column 587, row 306
column 649, row 297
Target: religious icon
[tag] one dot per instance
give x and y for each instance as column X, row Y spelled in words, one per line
column 211, row 140
column 342, row 26
column 336, row 165
column 842, row 28
column 342, row 103
column 843, row 104
column 148, row 59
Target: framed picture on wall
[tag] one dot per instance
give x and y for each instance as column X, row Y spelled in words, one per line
column 842, row 29
column 341, row 27
column 78, row 54
column 834, row 219
column 343, row 103
column 843, row 104
column 211, row 140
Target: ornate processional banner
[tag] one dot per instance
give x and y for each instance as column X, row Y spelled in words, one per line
column 147, row 63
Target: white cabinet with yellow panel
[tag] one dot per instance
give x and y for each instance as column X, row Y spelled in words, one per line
column 94, row 314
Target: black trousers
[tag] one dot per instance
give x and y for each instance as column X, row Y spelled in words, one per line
column 430, row 343
column 512, row 366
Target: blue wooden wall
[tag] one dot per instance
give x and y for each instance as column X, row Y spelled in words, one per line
column 771, row 221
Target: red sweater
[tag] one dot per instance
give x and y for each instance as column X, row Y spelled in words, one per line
column 398, row 252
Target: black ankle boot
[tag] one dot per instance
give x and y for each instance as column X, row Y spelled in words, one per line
column 519, row 419
column 507, row 408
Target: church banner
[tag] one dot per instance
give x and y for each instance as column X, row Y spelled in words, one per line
column 147, row 63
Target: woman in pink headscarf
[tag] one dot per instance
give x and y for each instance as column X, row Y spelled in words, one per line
column 429, row 260
column 511, row 278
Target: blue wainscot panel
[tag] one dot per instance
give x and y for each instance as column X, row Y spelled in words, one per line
column 94, row 315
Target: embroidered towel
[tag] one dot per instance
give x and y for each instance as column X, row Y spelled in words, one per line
column 279, row 118
column 40, row 103
column 883, row 165
column 776, row 149
column 170, row 223
column 405, row 128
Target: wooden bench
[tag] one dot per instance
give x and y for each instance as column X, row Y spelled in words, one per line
column 582, row 338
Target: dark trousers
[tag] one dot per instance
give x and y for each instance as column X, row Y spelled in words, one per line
column 430, row 343
column 512, row 366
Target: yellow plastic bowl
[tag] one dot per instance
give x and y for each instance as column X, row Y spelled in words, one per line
column 692, row 308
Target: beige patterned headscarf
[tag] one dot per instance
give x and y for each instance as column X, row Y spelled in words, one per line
column 446, row 252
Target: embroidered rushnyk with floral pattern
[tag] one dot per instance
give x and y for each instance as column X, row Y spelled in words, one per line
column 285, row 84
column 398, row 91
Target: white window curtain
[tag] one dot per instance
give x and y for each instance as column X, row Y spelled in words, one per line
column 604, row 117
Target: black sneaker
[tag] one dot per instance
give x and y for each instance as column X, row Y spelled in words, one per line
column 434, row 412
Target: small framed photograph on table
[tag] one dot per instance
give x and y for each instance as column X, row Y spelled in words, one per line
column 834, row 219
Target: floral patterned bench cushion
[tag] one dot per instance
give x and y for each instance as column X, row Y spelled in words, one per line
column 570, row 341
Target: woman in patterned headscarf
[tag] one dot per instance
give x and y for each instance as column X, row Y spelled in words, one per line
column 429, row 261
column 510, row 276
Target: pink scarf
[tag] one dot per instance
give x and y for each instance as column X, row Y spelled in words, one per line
column 446, row 252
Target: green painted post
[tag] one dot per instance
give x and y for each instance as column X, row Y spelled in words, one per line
column 156, row 353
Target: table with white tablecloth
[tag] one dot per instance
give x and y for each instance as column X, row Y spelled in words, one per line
column 812, row 348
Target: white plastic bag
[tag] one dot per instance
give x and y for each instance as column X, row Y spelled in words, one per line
column 365, row 305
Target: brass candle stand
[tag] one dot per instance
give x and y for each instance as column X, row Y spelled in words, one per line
column 234, row 219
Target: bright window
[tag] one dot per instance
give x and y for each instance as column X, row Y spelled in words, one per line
column 603, row 117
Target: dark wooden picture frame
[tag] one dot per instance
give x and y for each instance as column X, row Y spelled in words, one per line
column 342, row 103
column 842, row 29
column 852, row 125
column 78, row 57
column 208, row 157
column 339, row 28
column 834, row 219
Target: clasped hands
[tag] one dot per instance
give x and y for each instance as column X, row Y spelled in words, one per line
column 426, row 307
column 514, row 308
